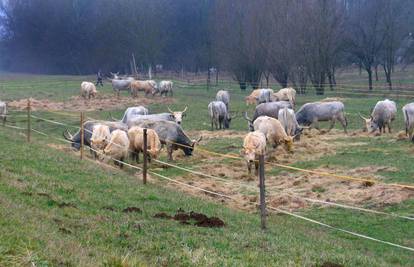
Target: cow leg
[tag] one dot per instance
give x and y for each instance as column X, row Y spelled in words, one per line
column 315, row 125
column 137, row 156
column 4, row 121
column 212, row 125
column 169, row 152
column 121, row 165
column 249, row 167
column 256, row 167
column 344, row 123
column 389, row 127
column 332, row 124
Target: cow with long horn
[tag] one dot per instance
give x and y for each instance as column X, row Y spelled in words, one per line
column 178, row 115
column 382, row 115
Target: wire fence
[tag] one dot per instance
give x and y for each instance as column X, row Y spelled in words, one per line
column 229, row 180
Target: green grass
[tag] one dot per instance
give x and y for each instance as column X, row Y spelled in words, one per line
column 53, row 207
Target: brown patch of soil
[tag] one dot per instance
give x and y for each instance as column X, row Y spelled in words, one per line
column 200, row 220
column 100, row 102
column 162, row 215
column 132, row 209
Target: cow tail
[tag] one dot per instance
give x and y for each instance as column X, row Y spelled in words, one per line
column 407, row 121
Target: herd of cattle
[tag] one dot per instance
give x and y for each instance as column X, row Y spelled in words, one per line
column 149, row 87
column 273, row 123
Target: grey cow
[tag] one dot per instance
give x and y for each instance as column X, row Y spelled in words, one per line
column 382, row 115
column 311, row 114
column 270, row 109
column 3, row 112
column 265, row 96
column 289, row 122
column 408, row 112
column 219, row 115
column 224, row 97
column 121, row 85
column 132, row 112
column 172, row 135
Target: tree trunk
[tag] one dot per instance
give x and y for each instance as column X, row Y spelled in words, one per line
column 243, row 85
column 376, row 73
column 369, row 79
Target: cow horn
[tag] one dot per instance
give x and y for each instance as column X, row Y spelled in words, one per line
column 362, row 117
column 67, row 135
column 246, row 118
column 305, row 127
column 170, row 110
column 185, row 109
column 198, row 140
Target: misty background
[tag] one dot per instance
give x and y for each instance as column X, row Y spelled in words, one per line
column 293, row 42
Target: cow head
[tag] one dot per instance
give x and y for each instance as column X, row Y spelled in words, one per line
column 249, row 154
column 249, row 121
column 288, row 141
column 188, row 150
column 228, row 120
column 68, row 136
column 115, row 75
column 178, row 115
column 369, row 124
column 99, row 144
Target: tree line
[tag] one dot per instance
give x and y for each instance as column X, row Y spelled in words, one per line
column 298, row 42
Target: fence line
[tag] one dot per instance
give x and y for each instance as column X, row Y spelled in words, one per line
column 270, row 207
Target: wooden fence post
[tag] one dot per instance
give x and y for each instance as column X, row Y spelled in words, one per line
column 144, row 167
column 82, row 132
column 262, row 192
column 29, row 120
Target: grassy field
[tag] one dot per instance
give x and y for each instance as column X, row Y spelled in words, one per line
column 56, row 210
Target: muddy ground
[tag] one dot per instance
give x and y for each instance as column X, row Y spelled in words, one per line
column 100, row 102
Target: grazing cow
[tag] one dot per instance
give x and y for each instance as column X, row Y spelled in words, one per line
column 274, row 132
column 136, row 143
column 132, row 112
column 99, row 140
column 288, row 120
column 3, row 112
column 88, row 90
column 172, row 135
column 270, row 109
column 382, row 115
column 120, row 85
column 252, row 98
column 408, row 112
column 117, row 148
column 285, row 94
column 311, row 114
column 254, row 145
column 219, row 115
column 164, row 88
column 148, row 87
column 224, row 97
column 88, row 130
column 264, row 96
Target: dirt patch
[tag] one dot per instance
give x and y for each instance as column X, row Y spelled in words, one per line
column 132, row 209
column 162, row 215
column 101, row 102
column 193, row 218
column 65, row 230
column 65, row 204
